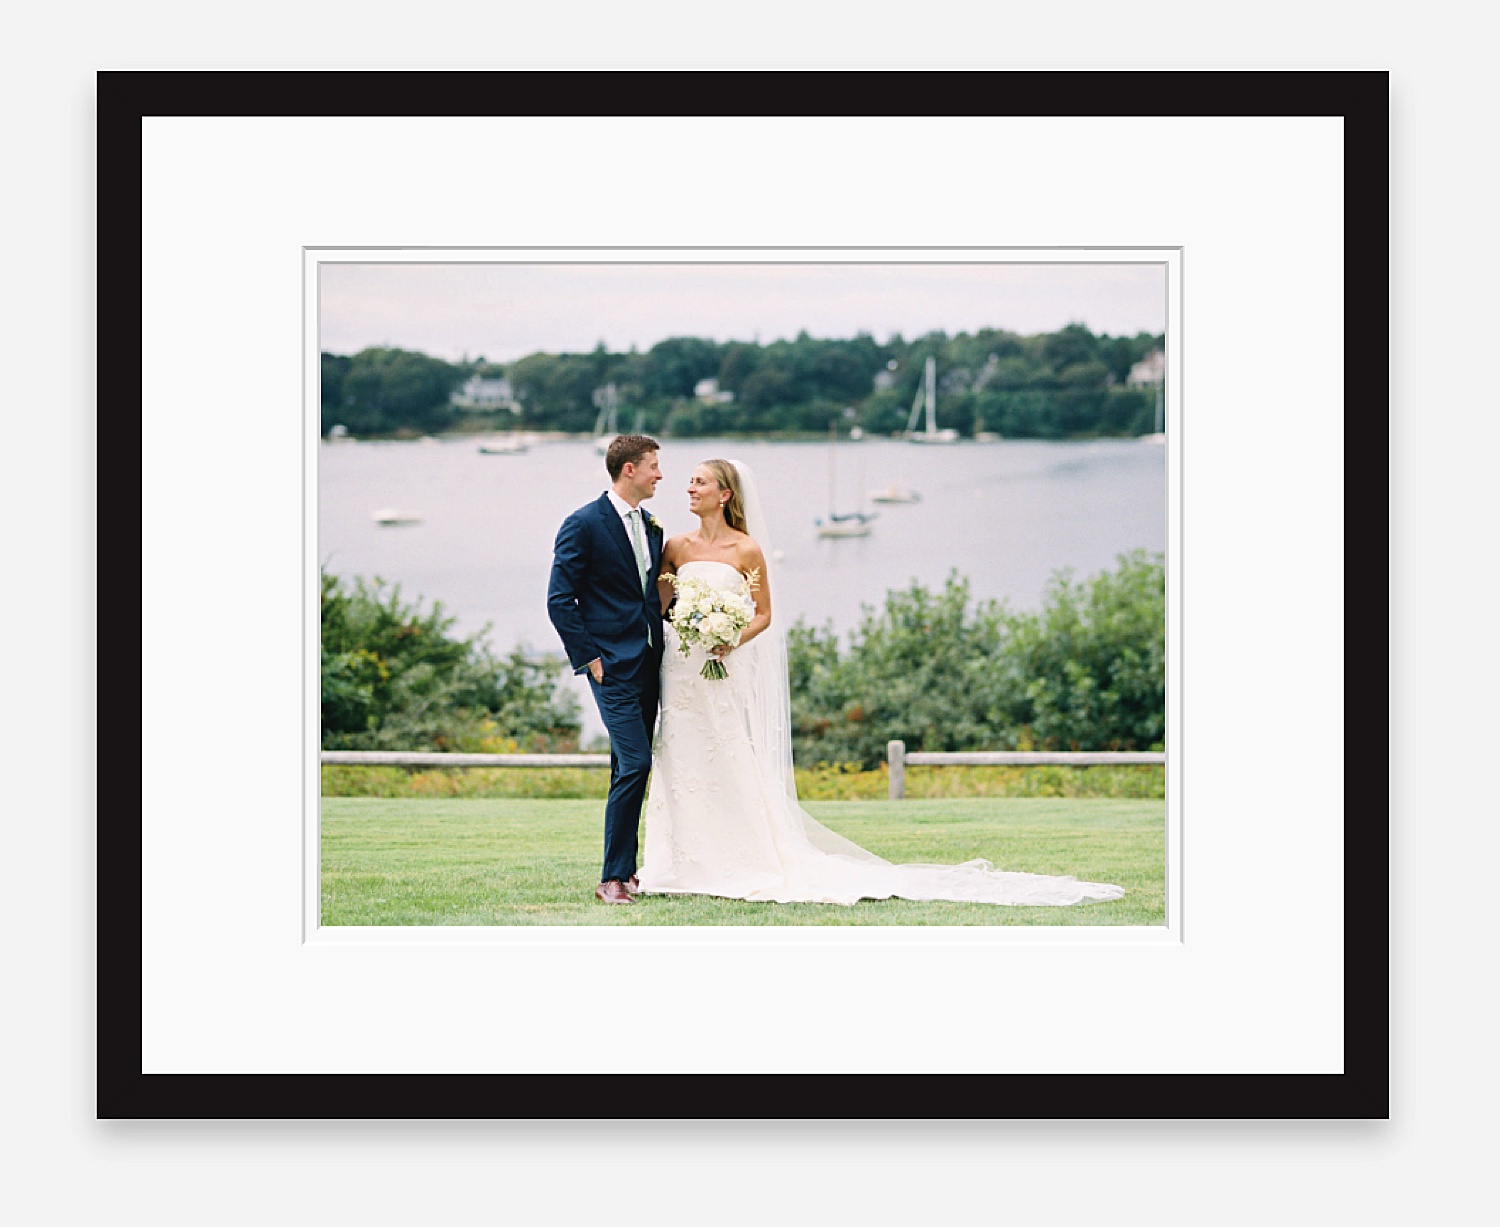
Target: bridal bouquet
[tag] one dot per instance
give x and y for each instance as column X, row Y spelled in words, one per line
column 707, row 618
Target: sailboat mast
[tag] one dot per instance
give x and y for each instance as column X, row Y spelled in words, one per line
column 916, row 408
column 833, row 505
column 931, row 395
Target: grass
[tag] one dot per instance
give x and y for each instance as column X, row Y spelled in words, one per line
column 527, row 861
column 826, row 782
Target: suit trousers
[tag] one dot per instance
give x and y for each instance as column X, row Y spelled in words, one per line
column 628, row 707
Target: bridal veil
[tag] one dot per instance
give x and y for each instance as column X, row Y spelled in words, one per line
column 834, row 867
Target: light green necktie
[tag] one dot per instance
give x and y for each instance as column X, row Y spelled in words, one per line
column 641, row 563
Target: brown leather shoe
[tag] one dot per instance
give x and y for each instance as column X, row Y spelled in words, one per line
column 633, row 887
column 612, row 891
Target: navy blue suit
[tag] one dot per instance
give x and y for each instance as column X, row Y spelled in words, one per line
column 596, row 602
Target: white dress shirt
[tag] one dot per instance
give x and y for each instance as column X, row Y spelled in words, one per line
column 625, row 509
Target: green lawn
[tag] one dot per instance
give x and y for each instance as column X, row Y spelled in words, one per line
column 536, row 862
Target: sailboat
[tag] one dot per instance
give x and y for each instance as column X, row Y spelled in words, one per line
column 932, row 434
column 841, row 524
column 606, row 425
column 897, row 492
column 1159, row 435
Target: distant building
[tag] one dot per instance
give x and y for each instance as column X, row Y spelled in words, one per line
column 884, row 380
column 1149, row 371
column 485, row 395
column 707, row 390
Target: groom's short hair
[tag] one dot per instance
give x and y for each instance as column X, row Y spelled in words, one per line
column 627, row 449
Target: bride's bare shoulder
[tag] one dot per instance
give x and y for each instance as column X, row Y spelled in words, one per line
column 750, row 554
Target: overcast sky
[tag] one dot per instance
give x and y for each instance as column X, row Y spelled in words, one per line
column 503, row 311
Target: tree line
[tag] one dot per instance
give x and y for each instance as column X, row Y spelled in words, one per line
column 1086, row 671
column 1060, row 385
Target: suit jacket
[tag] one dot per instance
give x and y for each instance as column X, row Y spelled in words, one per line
column 594, row 596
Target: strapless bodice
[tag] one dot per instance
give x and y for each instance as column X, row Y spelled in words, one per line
column 720, row 575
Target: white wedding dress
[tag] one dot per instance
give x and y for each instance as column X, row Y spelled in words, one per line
column 722, row 816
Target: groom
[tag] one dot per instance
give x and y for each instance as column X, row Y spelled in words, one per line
column 603, row 601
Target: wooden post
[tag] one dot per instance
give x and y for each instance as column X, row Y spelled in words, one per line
column 895, row 752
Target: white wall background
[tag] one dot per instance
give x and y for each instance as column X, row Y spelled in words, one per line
column 1425, row 1165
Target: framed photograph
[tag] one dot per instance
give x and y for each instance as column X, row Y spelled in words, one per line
column 1235, row 184
column 1043, row 454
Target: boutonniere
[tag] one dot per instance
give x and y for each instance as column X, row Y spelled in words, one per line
column 653, row 521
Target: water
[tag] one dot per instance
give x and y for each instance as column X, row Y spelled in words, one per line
column 1006, row 515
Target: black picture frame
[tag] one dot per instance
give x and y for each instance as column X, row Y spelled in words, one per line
column 1360, row 99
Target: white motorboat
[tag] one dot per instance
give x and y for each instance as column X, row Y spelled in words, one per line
column 504, row 445
column 896, row 492
column 393, row 515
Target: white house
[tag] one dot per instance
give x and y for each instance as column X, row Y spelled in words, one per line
column 1149, row 371
column 707, row 390
column 485, row 395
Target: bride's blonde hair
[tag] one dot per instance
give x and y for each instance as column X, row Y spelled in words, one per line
column 734, row 510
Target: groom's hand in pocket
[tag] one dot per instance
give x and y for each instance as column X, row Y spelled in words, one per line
column 596, row 669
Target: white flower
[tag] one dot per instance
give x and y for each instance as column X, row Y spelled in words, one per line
column 707, row 618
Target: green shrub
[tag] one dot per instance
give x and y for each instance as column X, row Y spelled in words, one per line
column 393, row 678
column 1085, row 672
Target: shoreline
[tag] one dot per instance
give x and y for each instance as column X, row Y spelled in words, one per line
column 559, row 436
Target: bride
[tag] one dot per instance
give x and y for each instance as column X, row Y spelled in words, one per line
column 722, row 816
